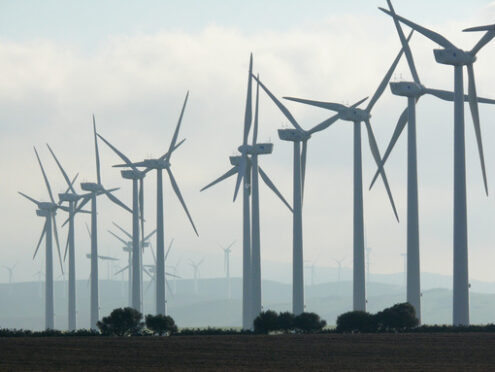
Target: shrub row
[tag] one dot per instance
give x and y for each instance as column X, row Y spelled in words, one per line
column 270, row 321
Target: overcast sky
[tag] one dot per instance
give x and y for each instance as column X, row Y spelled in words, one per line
column 131, row 63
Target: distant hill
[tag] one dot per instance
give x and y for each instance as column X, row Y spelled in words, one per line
column 22, row 306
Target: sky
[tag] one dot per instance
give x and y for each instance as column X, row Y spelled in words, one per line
column 131, row 64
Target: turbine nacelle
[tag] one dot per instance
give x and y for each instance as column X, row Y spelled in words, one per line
column 293, row 135
column 454, row 57
column 68, row 197
column 407, row 89
column 45, row 211
column 354, row 114
column 235, row 160
column 91, row 187
column 156, row 163
column 132, row 174
column 258, row 149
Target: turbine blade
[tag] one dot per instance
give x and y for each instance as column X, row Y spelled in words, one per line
column 270, row 184
column 148, row 286
column 167, row 153
column 55, row 229
column 40, row 239
column 386, row 78
column 97, row 153
column 116, row 200
column 45, row 177
column 154, row 257
column 485, row 39
column 169, row 288
column 66, row 247
column 359, row 102
column 124, row 231
column 29, row 198
column 231, row 244
column 118, row 237
column 87, row 229
column 168, row 250
column 449, row 96
column 179, row 195
column 376, row 154
column 280, row 105
column 324, row 124
column 121, row 270
column 149, row 235
column 228, row 174
column 241, row 174
column 147, row 273
column 172, row 275
column 405, row 45
column 119, row 153
column 473, row 104
column 480, row 28
column 255, row 130
column 248, row 113
column 401, row 123
column 432, row 35
column 64, row 174
column 326, row 105
column 176, row 133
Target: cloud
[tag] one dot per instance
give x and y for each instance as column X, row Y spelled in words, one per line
column 135, row 85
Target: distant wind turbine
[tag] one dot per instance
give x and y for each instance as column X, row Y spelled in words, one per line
column 226, row 266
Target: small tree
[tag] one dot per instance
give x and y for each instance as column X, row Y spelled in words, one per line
column 266, row 322
column 400, row 317
column 286, row 321
column 356, row 321
column 121, row 322
column 309, row 322
column 161, row 324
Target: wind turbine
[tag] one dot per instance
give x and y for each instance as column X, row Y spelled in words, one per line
column 451, row 55
column 339, row 265
column 72, row 197
column 47, row 210
column 10, row 270
column 298, row 135
column 160, row 164
column 413, row 91
column 241, row 167
column 226, row 266
column 195, row 266
column 357, row 116
column 128, row 249
column 95, row 189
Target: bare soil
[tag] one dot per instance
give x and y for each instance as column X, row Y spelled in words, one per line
column 378, row 352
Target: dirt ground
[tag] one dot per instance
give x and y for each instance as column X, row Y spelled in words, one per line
column 389, row 352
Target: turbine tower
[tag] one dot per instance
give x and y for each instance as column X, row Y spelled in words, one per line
column 451, row 55
column 356, row 115
column 160, row 164
column 226, row 267
column 413, row 91
column 95, row 189
column 48, row 210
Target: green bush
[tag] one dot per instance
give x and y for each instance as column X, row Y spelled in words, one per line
column 309, row 323
column 266, row 322
column 356, row 321
column 122, row 322
column 161, row 324
column 398, row 318
column 286, row 321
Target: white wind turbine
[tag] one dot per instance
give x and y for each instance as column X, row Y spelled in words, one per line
column 358, row 116
column 453, row 56
column 48, row 210
column 160, row 164
column 298, row 135
column 128, row 249
column 10, row 270
column 95, row 189
column 72, row 197
column 339, row 267
column 412, row 91
column 196, row 273
column 226, row 266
